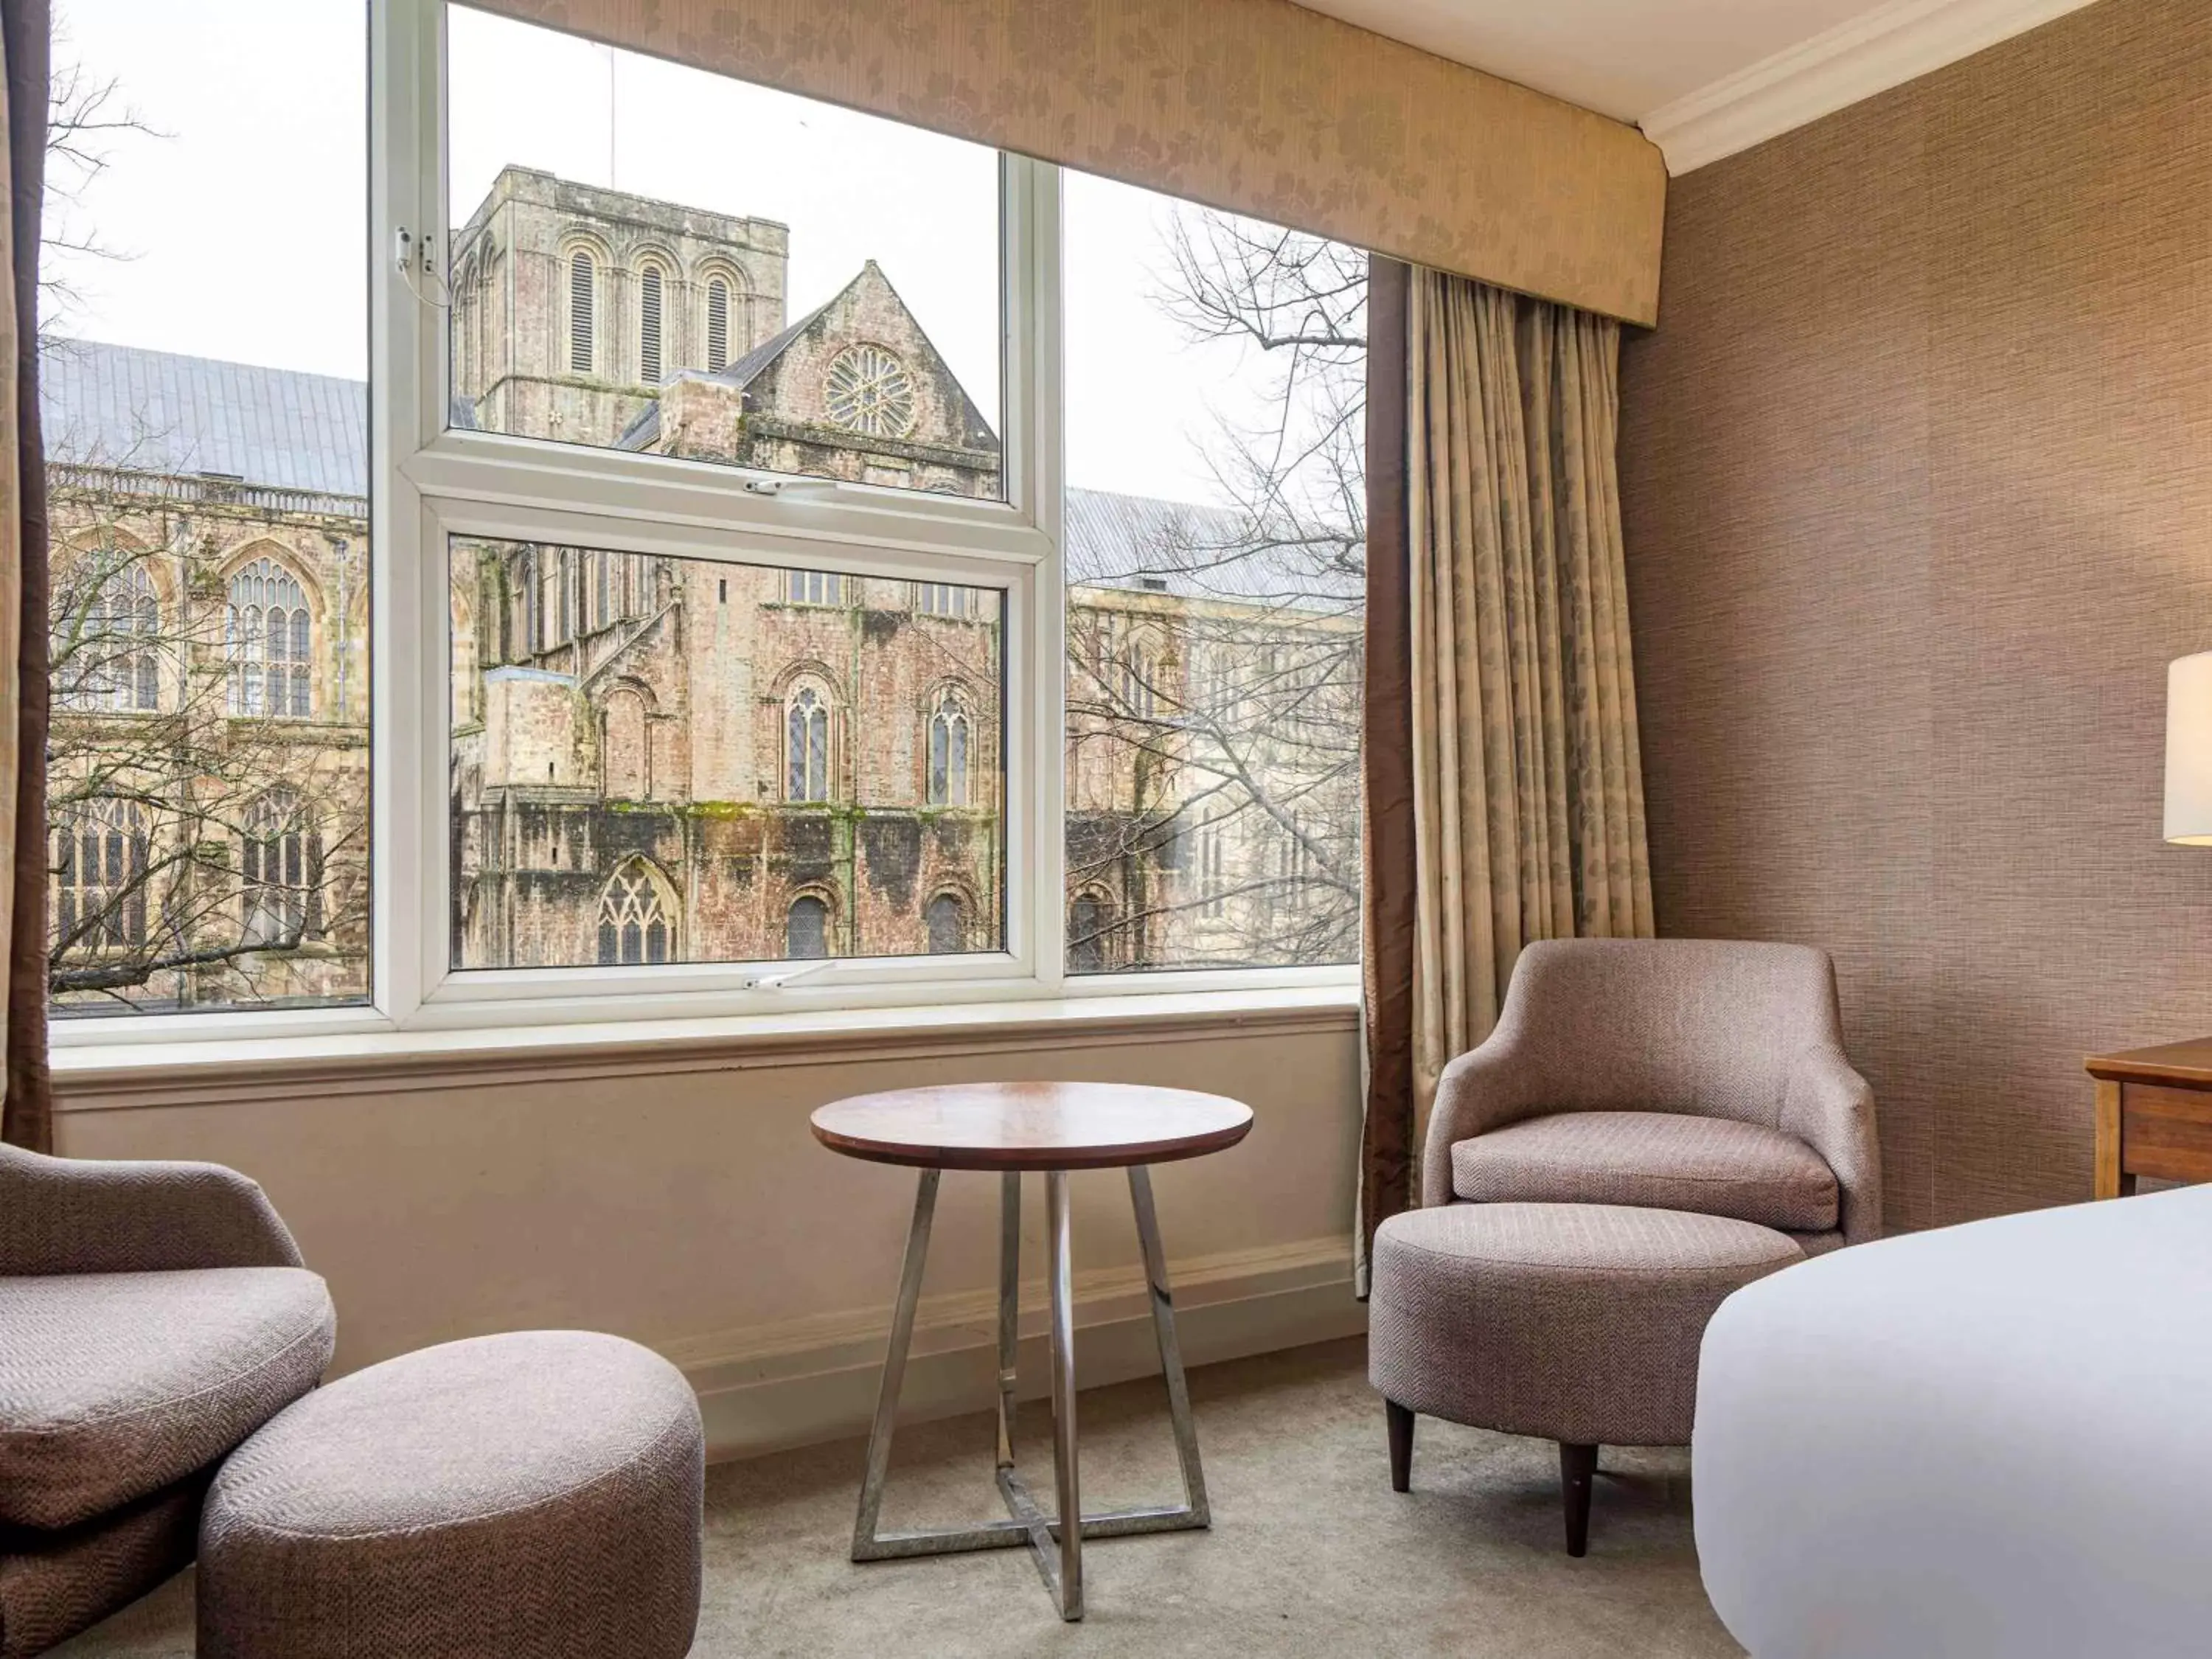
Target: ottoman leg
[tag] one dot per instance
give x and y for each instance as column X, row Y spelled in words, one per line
column 1401, row 1445
column 1577, row 1466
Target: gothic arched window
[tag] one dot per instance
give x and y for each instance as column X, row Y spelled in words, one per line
column 807, row 747
column 946, row 918
column 1086, row 934
column 948, row 752
column 807, row 929
column 583, row 294
column 100, row 877
column 649, row 285
column 270, row 641
column 634, row 927
column 1137, row 683
column 115, row 662
column 280, row 870
column 718, row 325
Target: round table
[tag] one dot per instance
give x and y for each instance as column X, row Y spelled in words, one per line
column 1013, row 1129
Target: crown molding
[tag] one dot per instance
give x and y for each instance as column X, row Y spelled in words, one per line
column 1885, row 48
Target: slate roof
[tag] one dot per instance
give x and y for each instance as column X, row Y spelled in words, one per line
column 155, row 411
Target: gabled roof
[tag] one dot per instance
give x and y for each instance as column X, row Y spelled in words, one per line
column 155, row 411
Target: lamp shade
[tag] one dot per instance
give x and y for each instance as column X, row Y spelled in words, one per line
column 2189, row 750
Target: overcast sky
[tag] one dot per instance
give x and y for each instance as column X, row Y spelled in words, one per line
column 242, row 221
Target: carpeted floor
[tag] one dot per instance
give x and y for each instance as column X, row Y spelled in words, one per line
column 1310, row 1553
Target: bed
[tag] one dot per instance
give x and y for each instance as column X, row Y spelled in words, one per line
column 1992, row 1439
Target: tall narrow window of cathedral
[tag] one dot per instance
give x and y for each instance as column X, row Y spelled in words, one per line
column 806, row 741
column 1086, row 935
column 946, row 919
column 602, row 602
column 582, row 295
column 718, row 325
column 269, row 639
column 101, row 877
column 948, row 752
column 275, row 871
column 648, row 326
column 1211, row 864
column 1138, row 683
column 634, row 927
column 806, row 929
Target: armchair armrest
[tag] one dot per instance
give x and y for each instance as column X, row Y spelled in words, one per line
column 1490, row 1084
column 61, row 1215
column 1830, row 1107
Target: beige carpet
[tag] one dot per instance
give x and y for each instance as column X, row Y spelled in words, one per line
column 1311, row 1552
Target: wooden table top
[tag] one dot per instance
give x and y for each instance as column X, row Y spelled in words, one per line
column 2168, row 1062
column 1032, row 1125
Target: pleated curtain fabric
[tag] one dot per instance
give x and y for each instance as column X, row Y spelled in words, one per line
column 27, row 1109
column 1527, row 790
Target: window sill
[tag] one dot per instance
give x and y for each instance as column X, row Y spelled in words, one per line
column 92, row 1077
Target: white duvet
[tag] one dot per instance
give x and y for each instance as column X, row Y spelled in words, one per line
column 1992, row 1439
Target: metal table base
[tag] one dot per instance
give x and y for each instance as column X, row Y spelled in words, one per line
column 1057, row 1548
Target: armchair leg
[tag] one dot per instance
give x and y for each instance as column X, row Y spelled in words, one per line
column 1401, row 1445
column 1578, row 1469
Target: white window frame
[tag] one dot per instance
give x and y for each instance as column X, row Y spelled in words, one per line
column 429, row 484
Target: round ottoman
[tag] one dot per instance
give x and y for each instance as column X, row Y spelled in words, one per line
column 1575, row 1322
column 535, row 1494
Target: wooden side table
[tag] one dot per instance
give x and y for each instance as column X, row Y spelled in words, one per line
column 1052, row 1127
column 2154, row 1114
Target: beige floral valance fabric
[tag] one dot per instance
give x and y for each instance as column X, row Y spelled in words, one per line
column 1259, row 107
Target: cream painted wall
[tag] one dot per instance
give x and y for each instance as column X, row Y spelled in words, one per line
column 694, row 1212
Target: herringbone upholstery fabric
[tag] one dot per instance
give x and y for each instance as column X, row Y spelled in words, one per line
column 112, row 1385
column 65, row 1215
column 1660, row 1160
column 1710, row 1028
column 532, row 1494
column 1577, row 1323
column 53, row 1584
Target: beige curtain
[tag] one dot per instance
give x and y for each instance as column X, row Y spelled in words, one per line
column 1527, row 790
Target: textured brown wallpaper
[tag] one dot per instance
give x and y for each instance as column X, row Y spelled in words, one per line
column 1257, row 105
column 1917, row 474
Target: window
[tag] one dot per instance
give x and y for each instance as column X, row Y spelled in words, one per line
column 718, row 325
column 807, row 747
column 583, row 306
column 278, row 860
column 807, row 929
column 649, row 325
column 813, row 587
column 869, row 392
column 743, row 507
column 700, row 762
column 941, row 599
column 269, row 637
column 840, row 273
column 100, row 878
column 633, row 920
column 107, row 645
column 948, row 752
column 947, row 919
column 1214, row 397
column 1086, row 934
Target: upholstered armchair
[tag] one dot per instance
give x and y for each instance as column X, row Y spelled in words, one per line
column 1675, row 1074
column 152, row 1316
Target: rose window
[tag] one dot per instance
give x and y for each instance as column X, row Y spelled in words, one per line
column 870, row 392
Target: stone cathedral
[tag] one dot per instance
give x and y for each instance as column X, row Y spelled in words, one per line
column 653, row 759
